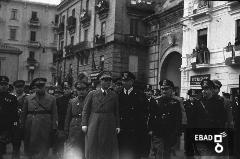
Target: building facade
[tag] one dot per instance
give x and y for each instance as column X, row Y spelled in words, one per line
column 211, row 33
column 95, row 35
column 29, row 27
column 165, row 51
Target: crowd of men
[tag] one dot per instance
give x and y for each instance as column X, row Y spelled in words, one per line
column 114, row 120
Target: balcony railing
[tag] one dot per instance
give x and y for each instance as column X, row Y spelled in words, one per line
column 141, row 6
column 60, row 29
column 71, row 23
column 232, row 53
column 69, row 50
column 201, row 7
column 34, row 44
column 200, row 58
column 32, row 63
column 34, row 22
column 100, row 39
column 135, row 40
column 81, row 46
column 85, row 18
column 102, row 7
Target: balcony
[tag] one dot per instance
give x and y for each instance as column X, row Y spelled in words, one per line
column 200, row 58
column 140, row 7
column 34, row 22
column 81, row 46
column 71, row 24
column 135, row 40
column 102, row 8
column 60, row 29
column 232, row 54
column 201, row 8
column 85, row 18
column 69, row 50
column 54, row 26
column 32, row 63
column 100, row 40
column 34, row 44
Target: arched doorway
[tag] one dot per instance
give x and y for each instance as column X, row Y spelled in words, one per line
column 170, row 69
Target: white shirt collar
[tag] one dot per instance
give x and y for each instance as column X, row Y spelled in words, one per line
column 128, row 91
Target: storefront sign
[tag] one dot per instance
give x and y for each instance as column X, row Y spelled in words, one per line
column 196, row 80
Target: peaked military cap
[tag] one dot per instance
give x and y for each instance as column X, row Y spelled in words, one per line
column 166, row 83
column 104, row 74
column 4, row 79
column 207, row 83
column 19, row 83
column 39, row 81
column 217, row 83
column 127, row 75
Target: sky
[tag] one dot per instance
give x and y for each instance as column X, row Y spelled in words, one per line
column 47, row 1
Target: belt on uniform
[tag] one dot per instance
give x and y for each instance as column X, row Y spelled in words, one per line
column 39, row 112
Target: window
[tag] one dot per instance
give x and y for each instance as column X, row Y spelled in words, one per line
column 101, row 65
column 56, row 19
column 103, row 28
column 14, row 14
column 63, row 19
column 34, row 15
column 87, row 5
column 237, row 32
column 31, row 54
column 73, row 12
column 134, row 27
column 13, row 33
column 202, row 37
column 86, row 35
column 30, row 75
column 33, row 36
column 72, row 40
column 61, row 45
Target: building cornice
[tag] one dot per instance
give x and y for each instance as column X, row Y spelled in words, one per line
column 9, row 49
column 64, row 4
column 34, row 3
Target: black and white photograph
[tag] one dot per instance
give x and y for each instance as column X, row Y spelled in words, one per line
column 119, row 79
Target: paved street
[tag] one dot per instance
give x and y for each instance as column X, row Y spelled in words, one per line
column 179, row 153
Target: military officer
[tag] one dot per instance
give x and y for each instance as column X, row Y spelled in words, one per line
column 73, row 127
column 17, row 130
column 39, row 117
column 134, row 140
column 8, row 113
column 165, row 121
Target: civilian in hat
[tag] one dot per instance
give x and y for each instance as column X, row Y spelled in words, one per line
column 39, row 118
column 227, row 103
column 210, row 113
column 100, row 121
column 73, row 127
column 165, row 122
column 18, row 130
column 134, row 141
column 8, row 114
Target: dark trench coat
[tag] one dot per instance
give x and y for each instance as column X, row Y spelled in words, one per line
column 100, row 114
column 39, row 127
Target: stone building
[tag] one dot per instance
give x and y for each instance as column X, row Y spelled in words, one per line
column 29, row 27
column 97, row 35
column 165, row 51
column 211, row 33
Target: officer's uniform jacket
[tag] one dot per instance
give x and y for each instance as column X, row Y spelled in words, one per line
column 165, row 118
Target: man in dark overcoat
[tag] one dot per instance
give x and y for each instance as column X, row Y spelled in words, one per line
column 100, row 121
column 17, row 129
column 134, row 140
column 8, row 114
column 39, row 117
column 165, row 121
